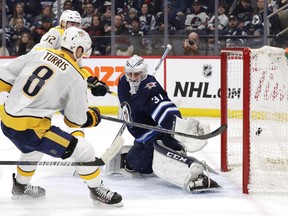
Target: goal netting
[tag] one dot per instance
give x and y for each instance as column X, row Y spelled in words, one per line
column 254, row 105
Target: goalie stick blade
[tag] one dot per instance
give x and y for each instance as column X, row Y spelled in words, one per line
column 212, row 134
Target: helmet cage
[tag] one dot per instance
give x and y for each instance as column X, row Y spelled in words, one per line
column 135, row 72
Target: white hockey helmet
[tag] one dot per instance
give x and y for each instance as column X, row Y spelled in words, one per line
column 69, row 16
column 73, row 38
column 135, row 71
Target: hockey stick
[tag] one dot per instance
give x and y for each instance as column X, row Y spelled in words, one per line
column 108, row 155
column 212, row 134
column 168, row 48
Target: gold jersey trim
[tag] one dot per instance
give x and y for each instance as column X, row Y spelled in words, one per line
column 21, row 123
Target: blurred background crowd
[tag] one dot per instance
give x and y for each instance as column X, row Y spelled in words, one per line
column 143, row 27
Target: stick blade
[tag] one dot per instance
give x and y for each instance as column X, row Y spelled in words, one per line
column 113, row 149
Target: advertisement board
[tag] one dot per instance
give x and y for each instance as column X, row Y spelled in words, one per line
column 192, row 83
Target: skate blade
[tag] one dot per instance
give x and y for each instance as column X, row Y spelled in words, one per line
column 101, row 204
column 206, row 190
column 15, row 197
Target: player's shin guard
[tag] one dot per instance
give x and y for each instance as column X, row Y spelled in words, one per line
column 84, row 151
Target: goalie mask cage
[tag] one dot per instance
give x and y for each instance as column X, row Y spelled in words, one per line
column 254, row 105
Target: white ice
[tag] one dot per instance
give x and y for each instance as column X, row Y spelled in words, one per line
column 68, row 195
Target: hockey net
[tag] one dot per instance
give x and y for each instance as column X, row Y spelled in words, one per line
column 254, row 105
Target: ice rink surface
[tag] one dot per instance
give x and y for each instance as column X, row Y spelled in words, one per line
column 68, row 195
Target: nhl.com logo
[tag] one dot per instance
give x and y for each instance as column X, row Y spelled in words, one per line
column 207, row 70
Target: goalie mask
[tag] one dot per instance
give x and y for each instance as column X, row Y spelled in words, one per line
column 135, row 72
column 73, row 38
column 70, row 16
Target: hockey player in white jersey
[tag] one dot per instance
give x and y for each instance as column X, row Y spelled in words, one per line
column 52, row 39
column 43, row 82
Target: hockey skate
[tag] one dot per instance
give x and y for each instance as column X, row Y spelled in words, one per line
column 202, row 184
column 104, row 196
column 26, row 191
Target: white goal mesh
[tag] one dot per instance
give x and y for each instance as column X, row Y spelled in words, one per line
column 254, row 105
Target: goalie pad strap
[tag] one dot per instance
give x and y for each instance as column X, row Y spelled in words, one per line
column 174, row 155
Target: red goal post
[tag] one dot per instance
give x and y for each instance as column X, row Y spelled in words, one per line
column 254, row 105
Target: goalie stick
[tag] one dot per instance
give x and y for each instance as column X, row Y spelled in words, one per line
column 212, row 134
column 108, row 155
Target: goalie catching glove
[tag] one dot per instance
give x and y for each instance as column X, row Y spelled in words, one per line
column 193, row 127
column 98, row 88
column 93, row 117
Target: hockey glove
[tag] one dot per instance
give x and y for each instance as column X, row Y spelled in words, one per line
column 93, row 117
column 98, row 88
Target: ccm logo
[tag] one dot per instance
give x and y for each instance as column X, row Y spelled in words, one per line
column 176, row 157
column 108, row 74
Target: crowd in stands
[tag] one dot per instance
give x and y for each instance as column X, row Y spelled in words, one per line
column 139, row 22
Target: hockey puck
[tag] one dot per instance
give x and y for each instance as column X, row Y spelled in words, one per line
column 258, row 132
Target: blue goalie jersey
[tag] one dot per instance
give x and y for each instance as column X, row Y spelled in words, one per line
column 150, row 105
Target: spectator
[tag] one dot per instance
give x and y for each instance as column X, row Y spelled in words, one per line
column 46, row 12
column 147, row 20
column 76, row 5
column 128, row 4
column 222, row 18
column 96, row 32
column 197, row 19
column 173, row 21
column 31, row 7
column 238, row 38
column 139, row 41
column 19, row 13
column 191, row 44
column 256, row 25
column 87, row 15
column 24, row 44
column 243, row 12
column 46, row 24
column 18, row 29
column 127, row 20
column 122, row 42
column 106, row 18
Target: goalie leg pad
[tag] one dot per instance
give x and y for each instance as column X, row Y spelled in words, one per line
column 174, row 167
column 193, row 127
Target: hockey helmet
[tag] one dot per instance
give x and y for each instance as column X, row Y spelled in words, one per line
column 73, row 38
column 135, row 71
column 69, row 16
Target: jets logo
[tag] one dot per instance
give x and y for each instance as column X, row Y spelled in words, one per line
column 126, row 111
column 151, row 85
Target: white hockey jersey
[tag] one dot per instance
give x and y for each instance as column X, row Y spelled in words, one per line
column 52, row 39
column 44, row 81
